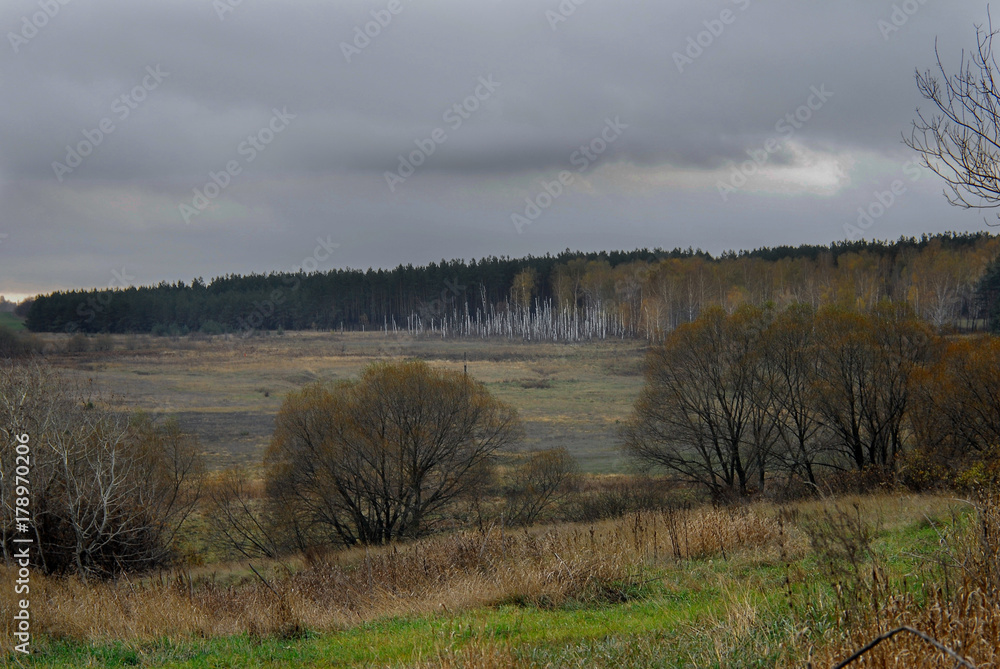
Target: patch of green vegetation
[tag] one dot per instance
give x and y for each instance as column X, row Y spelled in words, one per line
column 11, row 322
column 398, row 641
column 733, row 612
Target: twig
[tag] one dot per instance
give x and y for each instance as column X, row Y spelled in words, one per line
column 888, row 635
column 264, row 581
column 568, row 570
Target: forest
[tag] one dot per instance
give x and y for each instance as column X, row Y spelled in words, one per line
column 946, row 278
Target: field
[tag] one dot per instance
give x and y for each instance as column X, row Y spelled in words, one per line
column 11, row 322
column 760, row 584
column 228, row 391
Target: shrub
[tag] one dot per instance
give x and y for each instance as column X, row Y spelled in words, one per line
column 211, row 327
column 104, row 343
column 109, row 490
column 13, row 345
column 78, row 343
column 383, row 457
column 620, row 495
column 535, row 483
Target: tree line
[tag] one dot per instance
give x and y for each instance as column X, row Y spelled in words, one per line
column 642, row 293
column 761, row 399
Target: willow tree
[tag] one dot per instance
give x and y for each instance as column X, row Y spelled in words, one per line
column 379, row 458
column 702, row 415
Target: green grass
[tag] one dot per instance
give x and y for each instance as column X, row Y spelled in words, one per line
column 732, row 612
column 398, row 641
column 9, row 320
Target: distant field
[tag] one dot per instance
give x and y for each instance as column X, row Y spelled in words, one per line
column 228, row 391
column 11, row 321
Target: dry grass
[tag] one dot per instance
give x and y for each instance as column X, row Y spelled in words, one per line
column 959, row 605
column 546, row 567
column 846, row 586
column 214, row 386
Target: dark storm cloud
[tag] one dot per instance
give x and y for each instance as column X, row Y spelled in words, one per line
column 561, row 70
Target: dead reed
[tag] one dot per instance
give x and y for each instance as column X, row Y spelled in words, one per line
column 546, row 567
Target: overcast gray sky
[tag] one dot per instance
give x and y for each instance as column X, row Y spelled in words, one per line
column 443, row 132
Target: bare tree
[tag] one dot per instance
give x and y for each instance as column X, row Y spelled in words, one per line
column 535, row 483
column 960, row 140
column 865, row 380
column 240, row 516
column 377, row 459
column 696, row 418
column 790, row 353
column 109, row 490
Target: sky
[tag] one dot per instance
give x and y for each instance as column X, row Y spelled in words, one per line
column 161, row 141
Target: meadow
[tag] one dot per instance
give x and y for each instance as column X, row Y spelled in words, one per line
column 228, row 390
column 759, row 586
column 763, row 583
column 12, row 322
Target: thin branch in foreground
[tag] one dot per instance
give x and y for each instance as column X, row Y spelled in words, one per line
column 888, row 635
column 276, row 594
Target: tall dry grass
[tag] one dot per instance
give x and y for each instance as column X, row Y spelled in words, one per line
column 542, row 566
column 957, row 604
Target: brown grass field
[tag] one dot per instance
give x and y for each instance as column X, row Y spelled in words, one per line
column 755, row 586
column 228, row 390
column 761, row 584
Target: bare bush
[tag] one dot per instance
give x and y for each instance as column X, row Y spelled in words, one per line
column 78, row 343
column 536, row 483
column 614, row 497
column 957, row 615
column 383, row 457
column 15, row 345
column 240, row 515
column 109, row 490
